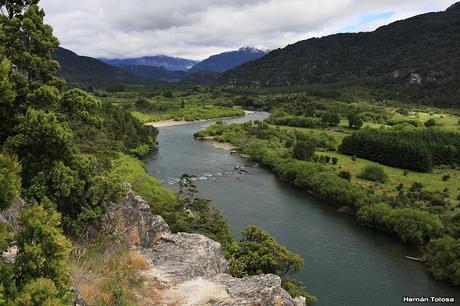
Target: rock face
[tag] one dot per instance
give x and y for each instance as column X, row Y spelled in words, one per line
column 190, row 268
column 139, row 226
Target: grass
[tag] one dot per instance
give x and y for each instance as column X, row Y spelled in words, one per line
column 108, row 274
column 432, row 181
column 132, row 170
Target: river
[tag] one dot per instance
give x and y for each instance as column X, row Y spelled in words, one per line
column 345, row 263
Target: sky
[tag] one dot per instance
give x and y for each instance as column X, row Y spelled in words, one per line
column 196, row 29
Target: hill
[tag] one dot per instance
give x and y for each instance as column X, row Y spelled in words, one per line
column 167, row 62
column 83, row 71
column 157, row 73
column 416, row 59
column 228, row 60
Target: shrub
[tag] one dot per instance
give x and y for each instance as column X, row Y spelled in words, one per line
column 431, row 122
column 373, row 173
column 345, row 175
column 10, row 180
column 304, row 150
column 444, row 259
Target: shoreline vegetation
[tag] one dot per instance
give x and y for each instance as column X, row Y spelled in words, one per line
column 426, row 218
column 172, row 122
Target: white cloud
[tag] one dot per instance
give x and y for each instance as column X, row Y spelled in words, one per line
column 198, row 28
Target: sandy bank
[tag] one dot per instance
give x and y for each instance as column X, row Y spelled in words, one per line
column 172, row 122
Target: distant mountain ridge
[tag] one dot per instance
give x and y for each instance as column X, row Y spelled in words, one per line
column 87, row 71
column 228, row 60
column 167, row 62
column 416, row 59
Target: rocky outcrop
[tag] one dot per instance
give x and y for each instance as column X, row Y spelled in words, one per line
column 184, row 269
column 134, row 219
column 190, row 269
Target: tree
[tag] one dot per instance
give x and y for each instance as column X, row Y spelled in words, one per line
column 330, row 119
column 373, row 173
column 7, row 96
column 354, row 121
column 444, row 259
column 304, row 150
column 259, row 253
column 10, row 180
column 40, row 140
column 29, row 44
column 43, row 251
column 81, row 106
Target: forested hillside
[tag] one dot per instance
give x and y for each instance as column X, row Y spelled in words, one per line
column 413, row 60
column 228, row 60
column 87, row 71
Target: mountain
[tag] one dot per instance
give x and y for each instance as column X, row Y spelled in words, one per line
column 228, row 60
column 167, row 62
column 416, row 59
column 158, row 73
column 87, row 71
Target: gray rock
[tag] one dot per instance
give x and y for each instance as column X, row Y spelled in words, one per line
column 415, row 79
column 254, row 290
column 186, row 256
column 134, row 219
column 12, row 213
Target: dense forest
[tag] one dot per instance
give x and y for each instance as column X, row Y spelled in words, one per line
column 411, row 60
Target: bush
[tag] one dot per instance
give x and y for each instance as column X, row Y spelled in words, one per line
column 431, row 122
column 409, row 224
column 10, row 180
column 373, row 173
column 444, row 259
column 345, row 175
column 304, row 150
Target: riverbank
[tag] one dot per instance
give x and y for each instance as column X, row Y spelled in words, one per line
column 428, row 229
column 172, row 122
column 304, row 224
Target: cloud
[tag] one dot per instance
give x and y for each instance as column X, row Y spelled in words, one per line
column 199, row 28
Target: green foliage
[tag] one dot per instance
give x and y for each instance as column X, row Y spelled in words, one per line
column 373, row 173
column 40, row 140
column 28, row 43
column 7, row 97
column 297, row 121
column 331, row 119
column 10, row 180
column 411, row 225
column 355, row 121
column 304, row 150
column 295, row 289
column 343, row 61
column 259, row 253
column 444, row 259
column 43, row 249
column 431, row 122
column 81, row 106
column 39, row 292
column 346, row 175
column 414, row 149
column 7, row 277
